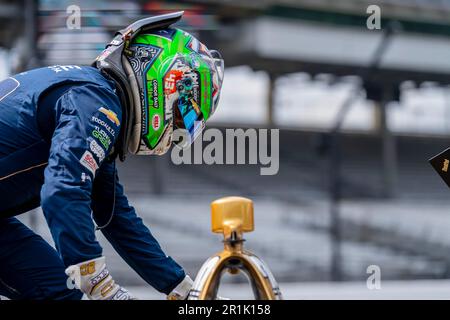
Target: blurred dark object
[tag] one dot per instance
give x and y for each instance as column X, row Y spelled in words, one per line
column 441, row 163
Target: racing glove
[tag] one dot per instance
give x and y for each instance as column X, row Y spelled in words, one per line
column 94, row 280
column 181, row 291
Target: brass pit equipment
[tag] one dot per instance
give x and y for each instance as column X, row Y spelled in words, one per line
column 232, row 216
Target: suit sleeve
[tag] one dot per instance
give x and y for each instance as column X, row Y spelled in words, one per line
column 87, row 124
column 129, row 236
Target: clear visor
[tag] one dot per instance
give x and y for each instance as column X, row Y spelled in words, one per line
column 219, row 65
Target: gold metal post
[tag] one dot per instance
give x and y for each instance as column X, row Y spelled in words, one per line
column 233, row 216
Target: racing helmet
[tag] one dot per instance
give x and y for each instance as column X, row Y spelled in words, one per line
column 167, row 79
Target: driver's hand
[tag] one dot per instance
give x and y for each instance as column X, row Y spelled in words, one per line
column 181, row 291
column 94, row 280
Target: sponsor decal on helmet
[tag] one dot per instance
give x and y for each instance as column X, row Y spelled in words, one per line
column 97, row 149
column 195, row 76
column 144, row 121
column 111, row 115
column 154, row 90
column 156, row 121
column 170, row 81
column 88, row 161
column 205, row 90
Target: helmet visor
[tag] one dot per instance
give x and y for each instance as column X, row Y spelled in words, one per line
column 196, row 82
column 187, row 113
column 217, row 65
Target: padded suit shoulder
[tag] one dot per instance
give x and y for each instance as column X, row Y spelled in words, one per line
column 20, row 95
column 36, row 81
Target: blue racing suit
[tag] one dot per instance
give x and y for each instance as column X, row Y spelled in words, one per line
column 58, row 126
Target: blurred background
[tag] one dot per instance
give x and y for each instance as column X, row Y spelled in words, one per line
column 359, row 111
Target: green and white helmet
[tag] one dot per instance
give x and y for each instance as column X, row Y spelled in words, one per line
column 167, row 79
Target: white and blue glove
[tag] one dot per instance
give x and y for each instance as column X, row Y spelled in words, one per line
column 94, row 280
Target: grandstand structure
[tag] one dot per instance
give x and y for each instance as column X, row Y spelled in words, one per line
column 384, row 174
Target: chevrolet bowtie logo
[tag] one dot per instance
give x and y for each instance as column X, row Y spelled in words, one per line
column 445, row 166
column 111, row 115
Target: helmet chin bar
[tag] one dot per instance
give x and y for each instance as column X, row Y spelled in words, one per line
column 136, row 144
column 135, row 109
column 112, row 63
